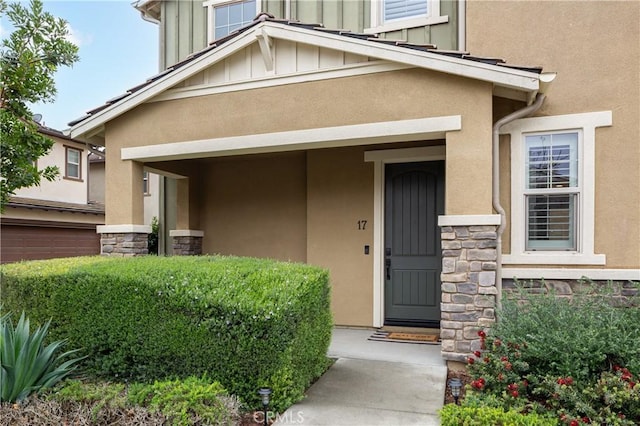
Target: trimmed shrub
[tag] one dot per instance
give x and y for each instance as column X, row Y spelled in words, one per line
column 455, row 415
column 247, row 323
column 578, row 337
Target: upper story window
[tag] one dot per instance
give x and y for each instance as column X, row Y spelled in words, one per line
column 403, row 9
column 394, row 15
column 553, row 189
column 73, row 166
column 225, row 16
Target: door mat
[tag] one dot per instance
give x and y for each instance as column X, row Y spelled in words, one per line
column 386, row 336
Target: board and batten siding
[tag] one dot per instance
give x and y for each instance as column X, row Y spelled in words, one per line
column 183, row 29
column 289, row 58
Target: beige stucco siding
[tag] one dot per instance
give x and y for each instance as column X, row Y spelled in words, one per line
column 63, row 189
column 598, row 64
column 340, row 193
column 124, row 202
column 255, row 206
column 387, row 96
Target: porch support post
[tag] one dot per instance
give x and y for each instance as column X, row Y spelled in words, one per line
column 124, row 233
column 468, row 282
column 185, row 241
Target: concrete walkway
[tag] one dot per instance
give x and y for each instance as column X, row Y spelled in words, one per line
column 374, row 383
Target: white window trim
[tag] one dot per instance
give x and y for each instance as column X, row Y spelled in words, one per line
column 211, row 5
column 586, row 123
column 571, row 274
column 378, row 26
column 67, row 149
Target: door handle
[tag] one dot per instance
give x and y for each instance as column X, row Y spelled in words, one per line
column 387, row 264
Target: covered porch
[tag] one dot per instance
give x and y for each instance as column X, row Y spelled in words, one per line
column 379, row 170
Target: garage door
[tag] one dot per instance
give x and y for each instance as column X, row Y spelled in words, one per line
column 33, row 242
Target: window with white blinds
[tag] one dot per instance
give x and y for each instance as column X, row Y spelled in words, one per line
column 553, row 187
column 396, row 15
column 403, row 9
column 552, row 190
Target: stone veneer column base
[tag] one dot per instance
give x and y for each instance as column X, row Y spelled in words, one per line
column 123, row 244
column 186, row 242
column 123, row 240
column 468, row 286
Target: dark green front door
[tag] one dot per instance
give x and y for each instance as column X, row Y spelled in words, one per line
column 414, row 197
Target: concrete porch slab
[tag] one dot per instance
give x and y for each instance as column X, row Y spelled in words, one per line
column 353, row 343
column 374, row 383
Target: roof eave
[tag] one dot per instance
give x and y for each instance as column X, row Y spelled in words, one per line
column 512, row 79
column 501, row 76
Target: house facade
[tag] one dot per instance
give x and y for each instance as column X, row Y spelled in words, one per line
column 57, row 218
column 424, row 177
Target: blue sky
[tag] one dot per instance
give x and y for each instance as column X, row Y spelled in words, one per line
column 118, row 50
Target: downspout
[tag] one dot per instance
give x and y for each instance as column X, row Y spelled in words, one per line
column 545, row 80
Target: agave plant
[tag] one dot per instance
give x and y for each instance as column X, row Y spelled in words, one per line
column 27, row 365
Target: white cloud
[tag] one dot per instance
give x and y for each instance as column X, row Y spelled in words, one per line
column 78, row 38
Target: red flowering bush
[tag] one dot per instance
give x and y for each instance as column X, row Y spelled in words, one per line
column 577, row 360
column 500, row 371
column 614, row 399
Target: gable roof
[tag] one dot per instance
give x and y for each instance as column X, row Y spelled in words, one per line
column 494, row 70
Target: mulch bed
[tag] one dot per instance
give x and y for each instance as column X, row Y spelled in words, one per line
column 255, row 418
column 464, row 377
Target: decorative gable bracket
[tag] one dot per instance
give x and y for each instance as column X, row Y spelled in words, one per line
column 266, row 47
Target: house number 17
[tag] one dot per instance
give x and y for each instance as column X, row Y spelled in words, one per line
column 362, row 225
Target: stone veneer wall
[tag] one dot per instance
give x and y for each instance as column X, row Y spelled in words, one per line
column 187, row 246
column 468, row 287
column 621, row 290
column 123, row 244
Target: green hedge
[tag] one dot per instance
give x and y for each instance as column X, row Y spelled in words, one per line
column 455, row 415
column 247, row 323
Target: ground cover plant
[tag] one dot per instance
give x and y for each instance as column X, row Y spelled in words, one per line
column 193, row 401
column 575, row 358
column 247, row 323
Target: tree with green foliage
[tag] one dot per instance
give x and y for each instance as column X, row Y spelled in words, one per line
column 29, row 58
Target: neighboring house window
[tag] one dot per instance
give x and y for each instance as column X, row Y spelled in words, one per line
column 73, row 163
column 553, row 189
column 394, row 15
column 145, row 183
column 224, row 16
